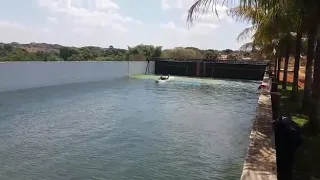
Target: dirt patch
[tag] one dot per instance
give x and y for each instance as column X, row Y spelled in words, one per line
column 290, row 78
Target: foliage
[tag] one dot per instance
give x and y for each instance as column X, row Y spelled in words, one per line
column 19, row 52
column 147, row 51
column 211, row 54
column 227, row 51
column 48, row 52
column 231, row 57
column 182, row 53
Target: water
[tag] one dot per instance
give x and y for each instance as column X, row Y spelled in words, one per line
column 126, row 128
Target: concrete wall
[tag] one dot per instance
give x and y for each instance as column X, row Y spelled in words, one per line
column 22, row 75
column 260, row 163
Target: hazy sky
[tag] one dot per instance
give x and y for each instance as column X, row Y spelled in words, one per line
column 115, row 22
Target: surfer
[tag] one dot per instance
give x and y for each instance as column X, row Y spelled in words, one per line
column 164, row 78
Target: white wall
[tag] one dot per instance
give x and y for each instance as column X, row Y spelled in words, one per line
column 22, row 75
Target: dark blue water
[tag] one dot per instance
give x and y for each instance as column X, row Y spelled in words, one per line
column 126, row 129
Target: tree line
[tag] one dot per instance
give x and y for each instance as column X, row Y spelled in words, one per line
column 9, row 52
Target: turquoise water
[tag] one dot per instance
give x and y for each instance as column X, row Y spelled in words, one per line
column 126, row 128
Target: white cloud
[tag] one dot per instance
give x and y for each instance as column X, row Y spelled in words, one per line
column 10, row 24
column 169, row 25
column 53, row 20
column 103, row 23
column 82, row 31
column 86, row 4
column 15, row 32
column 106, row 4
column 172, row 28
column 119, row 27
column 101, row 13
column 198, row 29
column 219, row 13
column 204, row 25
column 202, row 35
column 180, row 4
column 46, row 30
column 209, row 28
column 164, row 4
column 177, row 4
column 98, row 23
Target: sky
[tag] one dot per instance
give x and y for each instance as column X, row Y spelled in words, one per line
column 119, row 23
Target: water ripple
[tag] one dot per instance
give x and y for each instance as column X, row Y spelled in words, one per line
column 128, row 129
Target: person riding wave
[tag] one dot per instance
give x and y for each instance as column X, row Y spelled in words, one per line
column 164, row 78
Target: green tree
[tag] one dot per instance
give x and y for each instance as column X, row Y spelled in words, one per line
column 54, row 57
column 75, row 57
column 157, row 51
column 67, row 52
column 182, row 53
column 227, row 51
column 144, row 51
column 8, row 47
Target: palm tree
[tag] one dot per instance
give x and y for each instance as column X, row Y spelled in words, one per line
column 275, row 8
column 278, row 68
column 296, row 65
column 308, row 72
column 314, row 115
column 300, row 22
column 313, row 11
column 267, row 33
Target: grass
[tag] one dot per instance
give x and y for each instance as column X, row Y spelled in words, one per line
column 293, row 108
column 307, row 158
column 289, row 87
column 300, row 120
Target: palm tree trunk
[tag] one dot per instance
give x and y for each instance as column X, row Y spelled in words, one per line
column 286, row 64
column 295, row 88
column 314, row 115
column 279, row 68
column 275, row 67
column 308, row 73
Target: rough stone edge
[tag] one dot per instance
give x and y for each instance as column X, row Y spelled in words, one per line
column 260, row 162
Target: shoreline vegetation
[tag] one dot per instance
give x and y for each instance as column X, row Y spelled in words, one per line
column 54, row 52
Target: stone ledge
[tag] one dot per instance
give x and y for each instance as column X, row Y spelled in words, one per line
column 260, row 163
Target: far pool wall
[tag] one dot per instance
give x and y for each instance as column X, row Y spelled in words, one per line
column 22, row 75
column 211, row 69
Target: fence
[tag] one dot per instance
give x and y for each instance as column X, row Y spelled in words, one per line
column 251, row 70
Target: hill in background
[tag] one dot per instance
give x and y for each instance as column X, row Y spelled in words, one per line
column 54, row 52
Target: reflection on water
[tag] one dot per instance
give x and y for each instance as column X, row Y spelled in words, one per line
column 126, row 129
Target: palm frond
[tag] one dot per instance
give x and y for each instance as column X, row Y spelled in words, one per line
column 247, row 46
column 272, row 21
column 201, row 7
column 246, row 33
